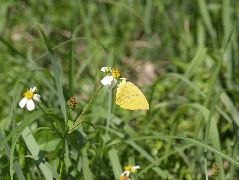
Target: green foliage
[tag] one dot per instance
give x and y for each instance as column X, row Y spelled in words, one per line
column 182, row 54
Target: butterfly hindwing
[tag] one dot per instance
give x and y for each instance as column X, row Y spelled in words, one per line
column 129, row 96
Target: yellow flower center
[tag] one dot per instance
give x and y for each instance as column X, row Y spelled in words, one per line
column 29, row 94
column 128, row 168
column 115, row 73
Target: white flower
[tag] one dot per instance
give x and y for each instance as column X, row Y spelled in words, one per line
column 29, row 96
column 134, row 168
column 127, row 170
column 131, row 169
column 112, row 74
column 106, row 69
column 125, row 175
column 108, row 81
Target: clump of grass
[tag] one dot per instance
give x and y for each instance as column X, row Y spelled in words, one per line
column 192, row 122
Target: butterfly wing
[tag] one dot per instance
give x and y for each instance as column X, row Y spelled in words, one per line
column 129, row 96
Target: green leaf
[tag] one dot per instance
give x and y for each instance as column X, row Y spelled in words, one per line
column 50, row 145
column 34, row 149
column 18, row 130
column 213, row 133
column 15, row 165
column 115, row 162
column 203, row 7
column 85, row 165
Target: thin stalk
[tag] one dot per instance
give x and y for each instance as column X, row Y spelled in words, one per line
column 206, row 141
column 55, row 130
column 62, row 159
column 62, row 164
column 213, row 107
column 71, row 68
column 63, row 152
column 78, row 120
column 109, row 111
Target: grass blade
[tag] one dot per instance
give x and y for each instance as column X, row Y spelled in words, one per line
column 85, row 163
column 34, row 149
column 198, row 91
column 20, row 128
column 196, row 62
column 214, row 135
column 16, row 165
column 206, row 18
column 159, row 171
column 115, row 162
column 57, row 74
column 191, row 140
column 11, row 48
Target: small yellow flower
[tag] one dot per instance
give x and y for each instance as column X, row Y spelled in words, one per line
column 115, row 73
column 131, row 168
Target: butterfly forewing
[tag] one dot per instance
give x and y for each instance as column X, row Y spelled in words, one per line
column 129, row 96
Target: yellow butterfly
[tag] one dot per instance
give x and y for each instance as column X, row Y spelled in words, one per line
column 129, row 96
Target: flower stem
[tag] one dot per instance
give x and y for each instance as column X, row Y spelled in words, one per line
column 62, row 160
column 109, row 111
column 78, row 120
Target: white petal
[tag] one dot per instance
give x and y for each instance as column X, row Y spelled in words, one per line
column 33, row 89
column 136, row 167
column 37, row 97
column 30, row 105
column 104, row 69
column 107, row 80
column 23, row 102
column 125, row 173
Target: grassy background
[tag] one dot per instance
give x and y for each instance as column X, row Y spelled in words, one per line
column 182, row 54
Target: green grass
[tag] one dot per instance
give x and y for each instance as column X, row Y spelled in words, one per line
column 183, row 55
